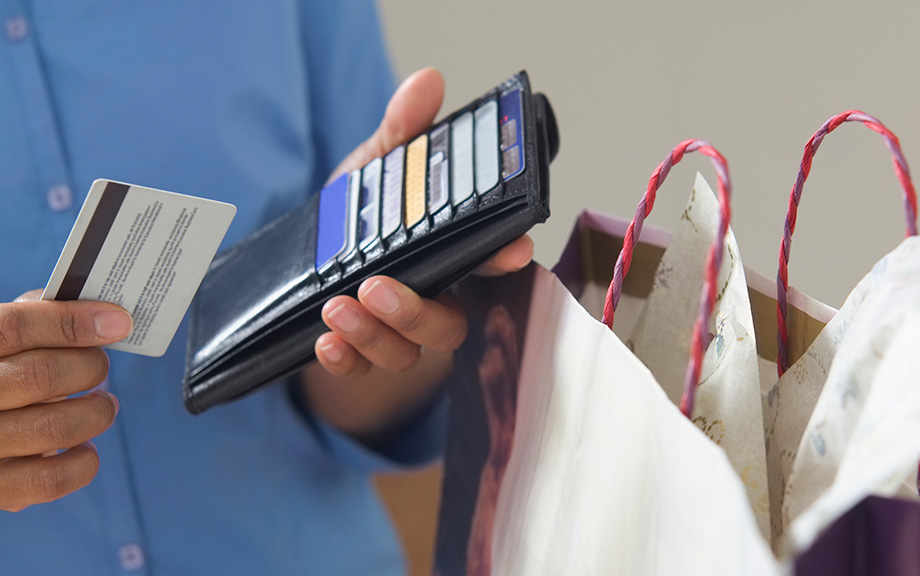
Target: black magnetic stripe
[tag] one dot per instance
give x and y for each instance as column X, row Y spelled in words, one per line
column 99, row 226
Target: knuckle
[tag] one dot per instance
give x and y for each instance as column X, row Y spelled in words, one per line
column 51, row 429
column 405, row 362
column 413, row 321
column 69, row 327
column 12, row 327
column 36, row 376
column 50, row 481
column 370, row 339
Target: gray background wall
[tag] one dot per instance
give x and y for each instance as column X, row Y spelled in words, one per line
column 628, row 81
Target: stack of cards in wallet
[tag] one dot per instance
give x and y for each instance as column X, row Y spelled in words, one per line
column 143, row 249
column 427, row 213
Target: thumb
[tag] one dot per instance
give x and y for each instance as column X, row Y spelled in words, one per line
column 411, row 109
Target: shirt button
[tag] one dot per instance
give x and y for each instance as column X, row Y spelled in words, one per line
column 16, row 28
column 131, row 556
column 60, row 197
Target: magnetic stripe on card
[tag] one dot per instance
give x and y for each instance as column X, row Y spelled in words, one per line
column 113, row 196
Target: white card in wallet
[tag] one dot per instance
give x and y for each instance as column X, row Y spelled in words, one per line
column 146, row 250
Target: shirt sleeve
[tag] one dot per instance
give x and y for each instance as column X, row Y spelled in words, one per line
column 349, row 74
column 411, row 444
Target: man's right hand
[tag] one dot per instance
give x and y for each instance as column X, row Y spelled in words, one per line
column 48, row 352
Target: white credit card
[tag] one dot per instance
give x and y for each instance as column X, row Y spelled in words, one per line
column 146, row 250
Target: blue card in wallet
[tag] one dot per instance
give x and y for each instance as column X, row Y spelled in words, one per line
column 426, row 214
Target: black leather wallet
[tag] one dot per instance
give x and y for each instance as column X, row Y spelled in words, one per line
column 427, row 214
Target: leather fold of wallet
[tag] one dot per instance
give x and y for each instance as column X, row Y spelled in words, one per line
column 427, row 214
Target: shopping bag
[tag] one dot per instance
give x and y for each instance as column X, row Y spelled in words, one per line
column 565, row 455
column 596, row 472
column 811, row 411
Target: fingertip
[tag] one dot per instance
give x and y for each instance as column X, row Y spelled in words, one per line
column 513, row 257
column 338, row 357
column 520, row 253
column 379, row 296
column 412, row 108
column 30, row 296
column 113, row 324
column 328, row 351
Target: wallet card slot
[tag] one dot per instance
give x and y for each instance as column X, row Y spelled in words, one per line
column 461, row 156
column 416, row 165
column 511, row 137
column 371, row 177
column 485, row 147
column 438, row 169
column 391, row 201
column 350, row 257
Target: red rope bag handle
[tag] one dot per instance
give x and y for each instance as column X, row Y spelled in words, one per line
column 910, row 210
column 713, row 258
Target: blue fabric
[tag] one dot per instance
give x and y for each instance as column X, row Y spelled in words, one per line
column 247, row 102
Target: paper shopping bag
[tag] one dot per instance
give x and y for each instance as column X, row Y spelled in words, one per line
column 597, row 472
column 805, row 405
column 565, row 455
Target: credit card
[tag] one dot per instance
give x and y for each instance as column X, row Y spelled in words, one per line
column 416, row 161
column 485, row 130
column 391, row 199
column 143, row 249
column 352, row 217
column 332, row 222
column 438, row 168
column 461, row 157
column 511, row 133
column 370, row 203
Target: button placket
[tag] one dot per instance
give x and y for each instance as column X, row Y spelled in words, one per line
column 51, row 172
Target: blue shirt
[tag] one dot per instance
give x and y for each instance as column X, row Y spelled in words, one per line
column 247, row 102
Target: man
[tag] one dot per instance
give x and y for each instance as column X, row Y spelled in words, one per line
column 245, row 102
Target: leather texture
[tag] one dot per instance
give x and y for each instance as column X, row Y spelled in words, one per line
column 256, row 316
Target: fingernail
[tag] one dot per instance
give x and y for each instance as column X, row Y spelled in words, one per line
column 332, row 353
column 381, row 298
column 345, row 318
column 112, row 324
column 115, row 400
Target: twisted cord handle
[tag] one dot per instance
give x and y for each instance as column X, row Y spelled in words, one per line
column 910, row 210
column 713, row 258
